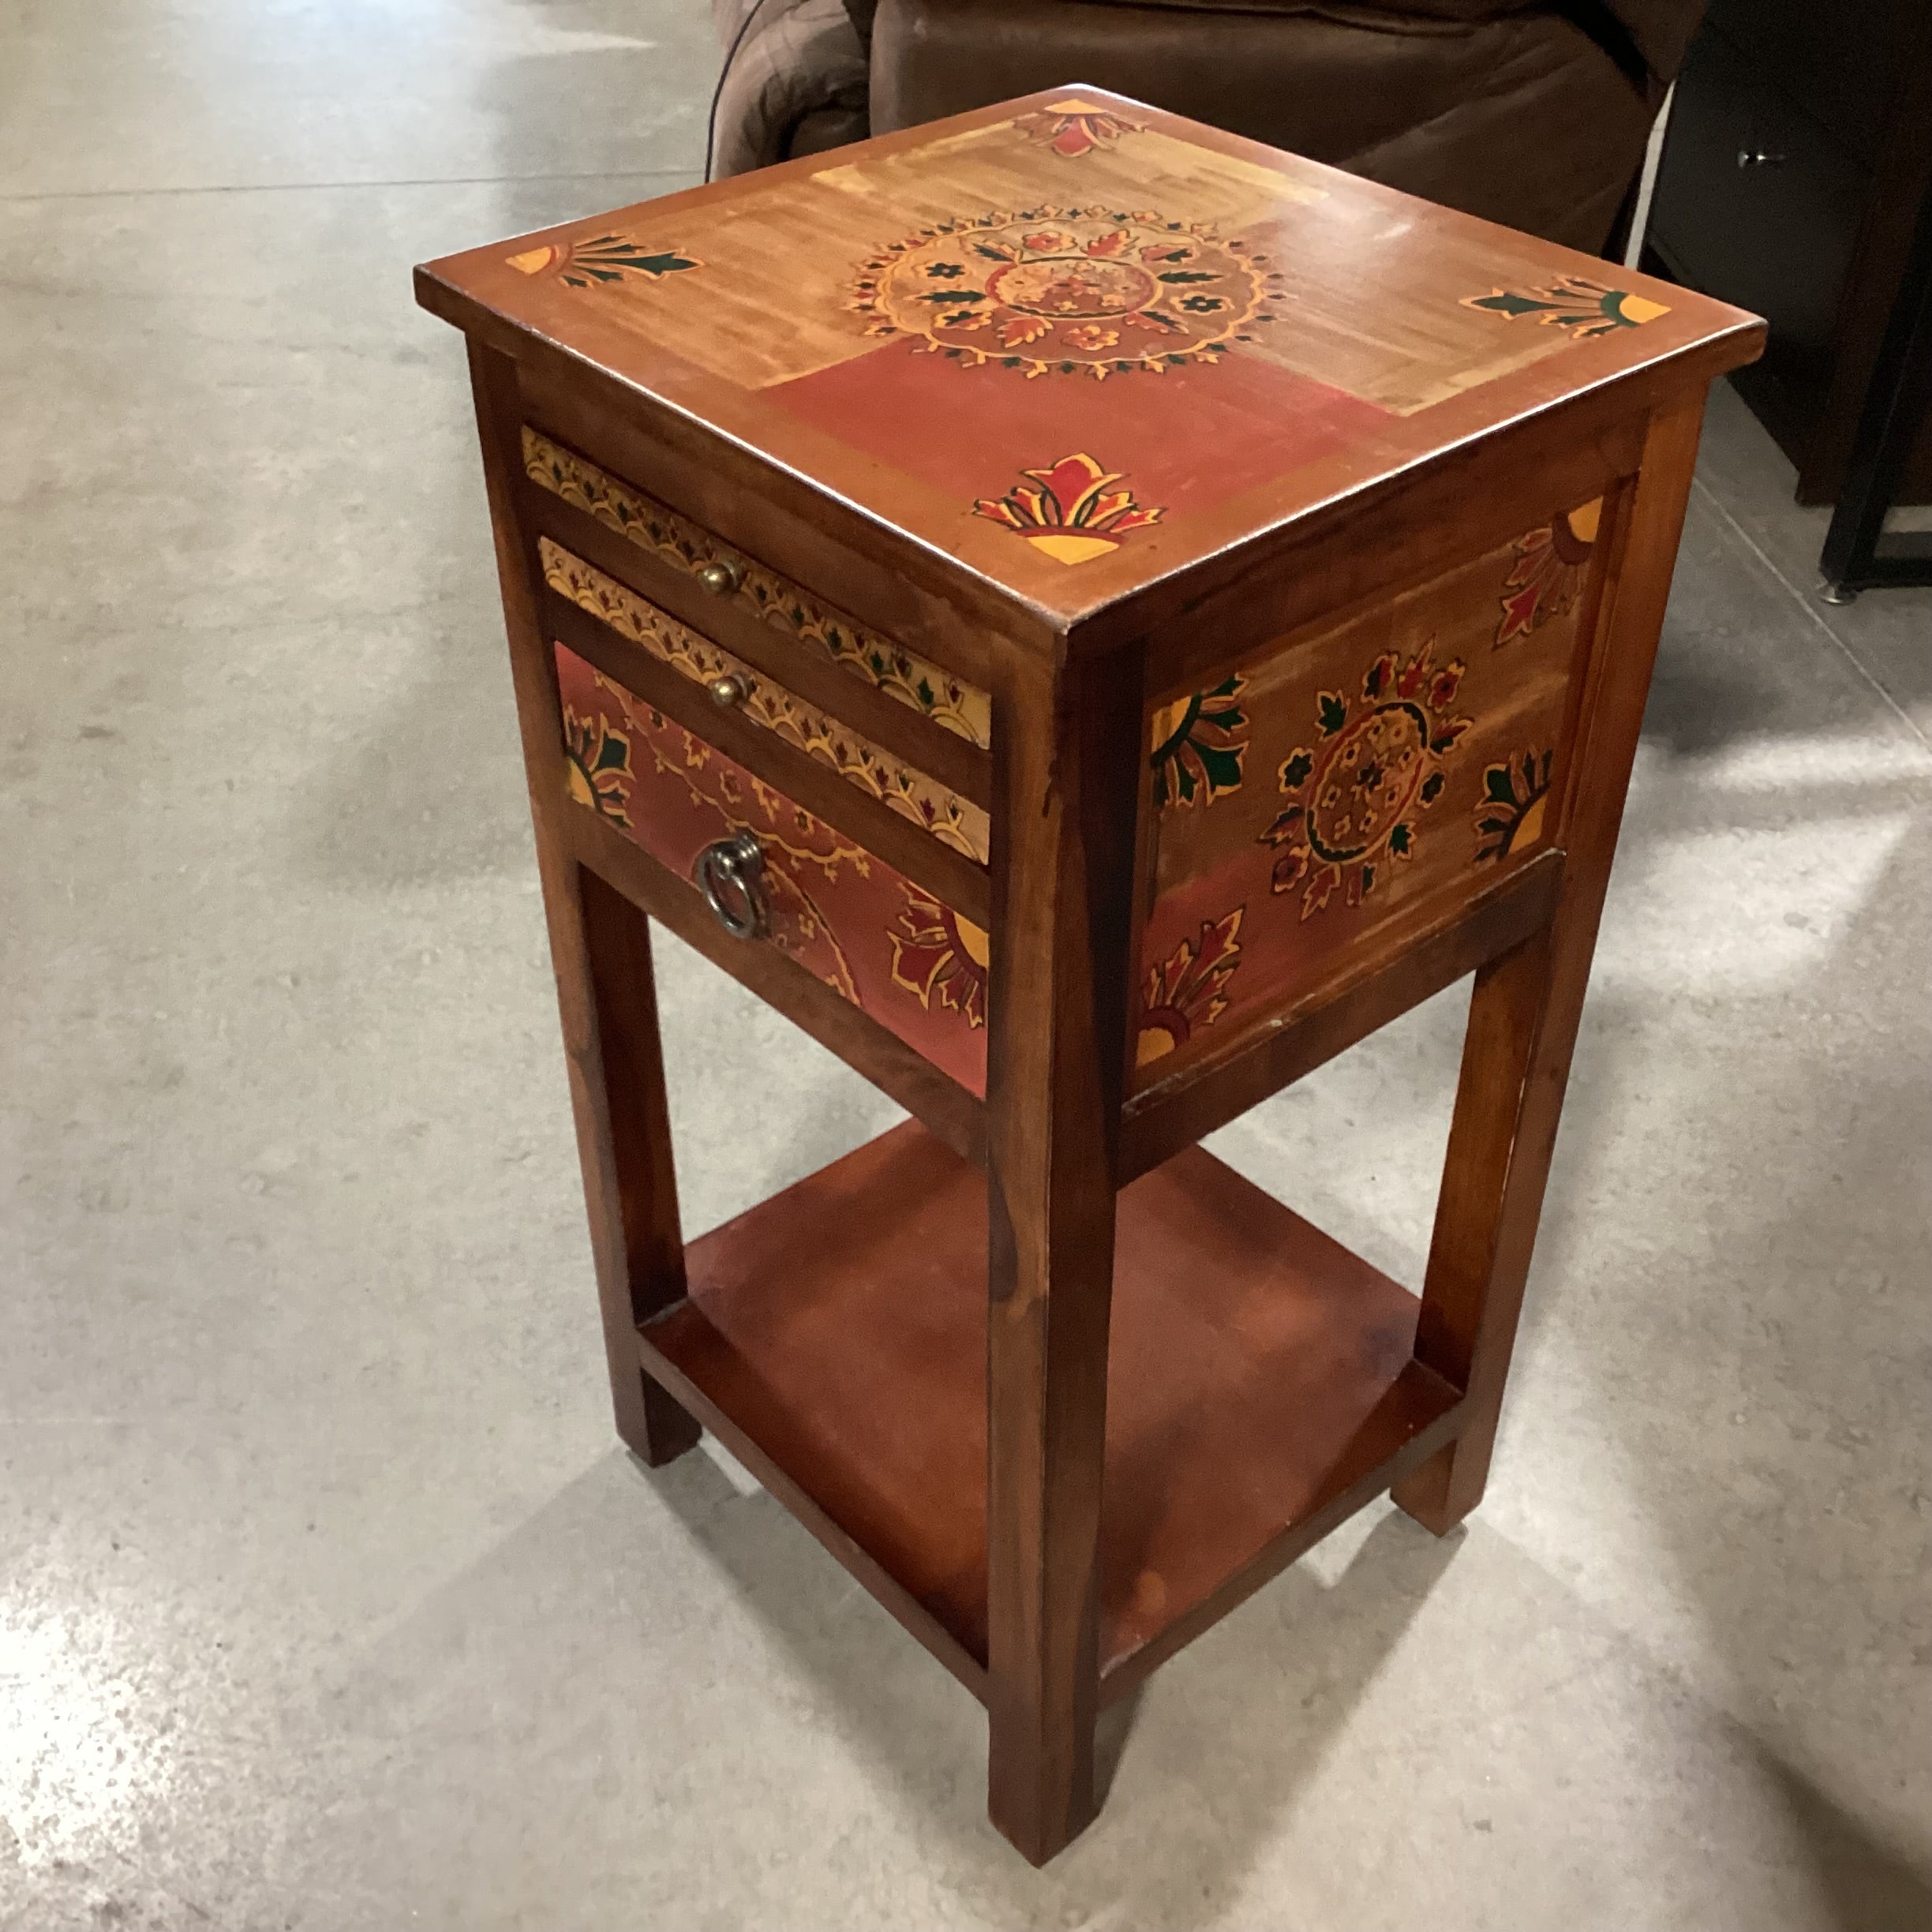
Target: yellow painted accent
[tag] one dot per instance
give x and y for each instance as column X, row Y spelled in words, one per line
column 1167, row 722
column 1531, row 829
column 1074, row 549
column 1584, row 523
column 532, row 261
column 1076, row 107
column 1153, row 1044
column 1640, row 309
column 979, row 947
column 579, row 785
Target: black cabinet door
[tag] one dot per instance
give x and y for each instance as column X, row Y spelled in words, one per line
column 1756, row 203
column 1841, row 60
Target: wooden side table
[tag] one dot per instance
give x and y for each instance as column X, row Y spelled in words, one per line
column 1088, row 616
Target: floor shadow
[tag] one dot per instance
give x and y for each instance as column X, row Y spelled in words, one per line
column 1868, row 1881
column 473, row 1709
column 1243, row 1765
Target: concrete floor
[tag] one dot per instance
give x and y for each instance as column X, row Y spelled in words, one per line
column 326, row 1601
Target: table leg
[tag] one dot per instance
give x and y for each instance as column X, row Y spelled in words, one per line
column 1067, row 770
column 1527, row 1005
column 600, row 948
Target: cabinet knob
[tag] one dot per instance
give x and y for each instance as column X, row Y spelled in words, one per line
column 729, row 691
column 1757, row 157
column 722, row 578
column 731, row 874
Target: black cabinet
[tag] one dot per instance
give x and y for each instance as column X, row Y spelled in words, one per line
column 1800, row 151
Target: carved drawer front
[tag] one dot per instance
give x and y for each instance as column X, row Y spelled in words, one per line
column 891, row 948
column 1378, row 773
column 953, row 821
column 950, row 702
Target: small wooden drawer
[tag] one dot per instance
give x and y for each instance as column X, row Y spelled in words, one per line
column 1345, row 786
column 936, row 809
column 896, row 951
column 659, row 532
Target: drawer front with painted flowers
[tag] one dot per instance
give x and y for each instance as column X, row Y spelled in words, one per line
column 895, row 950
column 953, row 820
column 1376, row 773
column 666, row 541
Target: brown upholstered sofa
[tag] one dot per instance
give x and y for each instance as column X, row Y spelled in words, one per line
column 1531, row 112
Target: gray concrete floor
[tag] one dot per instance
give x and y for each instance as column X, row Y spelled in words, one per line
column 326, row 1601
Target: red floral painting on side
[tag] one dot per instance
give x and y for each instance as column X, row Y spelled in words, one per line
column 1189, row 989
column 1074, row 128
column 1548, row 572
column 836, row 909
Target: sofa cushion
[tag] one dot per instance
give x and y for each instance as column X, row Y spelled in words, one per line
column 1523, row 119
column 1659, row 32
column 798, row 83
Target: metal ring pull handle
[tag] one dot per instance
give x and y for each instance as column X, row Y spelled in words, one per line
column 730, row 874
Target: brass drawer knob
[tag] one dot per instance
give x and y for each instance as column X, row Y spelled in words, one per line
column 722, row 578
column 731, row 874
column 729, row 691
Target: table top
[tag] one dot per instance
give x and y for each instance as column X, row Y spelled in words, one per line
column 1074, row 342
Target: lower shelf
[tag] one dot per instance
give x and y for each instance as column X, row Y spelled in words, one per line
column 1261, row 1385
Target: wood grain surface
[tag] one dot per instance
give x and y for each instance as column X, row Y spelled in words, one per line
column 1077, row 374
column 1191, row 606
column 1258, row 1369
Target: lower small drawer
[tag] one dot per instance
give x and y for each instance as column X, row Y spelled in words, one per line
column 894, row 950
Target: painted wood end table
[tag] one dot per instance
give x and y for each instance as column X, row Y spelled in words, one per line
column 1089, row 617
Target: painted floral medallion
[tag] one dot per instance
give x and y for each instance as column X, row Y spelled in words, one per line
column 1070, row 291
column 1357, row 797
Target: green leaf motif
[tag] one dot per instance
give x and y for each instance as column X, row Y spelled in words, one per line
column 1509, row 305
column 1295, row 773
column 662, row 264
column 1223, row 767
column 1333, row 710
column 1401, row 839
column 1187, row 275
column 1498, row 786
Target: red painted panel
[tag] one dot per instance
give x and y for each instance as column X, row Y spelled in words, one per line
column 1186, row 440
column 1340, row 785
column 889, row 946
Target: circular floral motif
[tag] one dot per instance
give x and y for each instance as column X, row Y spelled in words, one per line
column 1071, row 290
column 1367, row 781
column 1356, row 801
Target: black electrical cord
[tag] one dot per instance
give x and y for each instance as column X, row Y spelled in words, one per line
column 718, row 93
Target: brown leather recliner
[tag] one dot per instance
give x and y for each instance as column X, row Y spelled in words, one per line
column 1530, row 112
